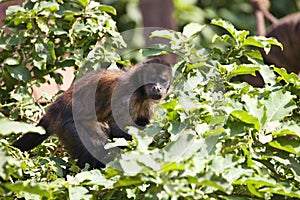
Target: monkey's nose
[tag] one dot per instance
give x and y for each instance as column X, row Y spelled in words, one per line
column 156, row 89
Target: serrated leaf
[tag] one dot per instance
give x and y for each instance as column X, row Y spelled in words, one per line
column 279, row 105
column 192, row 29
column 284, row 75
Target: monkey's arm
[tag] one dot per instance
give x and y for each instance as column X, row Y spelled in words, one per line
column 118, row 132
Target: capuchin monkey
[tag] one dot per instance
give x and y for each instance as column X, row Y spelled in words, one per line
column 99, row 106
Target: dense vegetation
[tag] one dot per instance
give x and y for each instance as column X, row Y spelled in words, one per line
column 214, row 137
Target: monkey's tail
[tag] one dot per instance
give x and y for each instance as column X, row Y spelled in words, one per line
column 31, row 139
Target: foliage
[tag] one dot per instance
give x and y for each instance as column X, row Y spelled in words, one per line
column 213, row 138
column 41, row 37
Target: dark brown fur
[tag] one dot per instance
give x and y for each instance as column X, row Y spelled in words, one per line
column 93, row 110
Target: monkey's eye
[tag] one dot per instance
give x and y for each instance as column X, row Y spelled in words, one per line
column 163, row 79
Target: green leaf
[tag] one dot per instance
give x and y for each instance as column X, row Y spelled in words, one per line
column 246, row 117
column 93, row 177
column 8, row 127
column 192, row 29
column 242, row 70
column 220, row 163
column 43, row 24
column 108, row 9
column 9, row 166
column 176, row 150
column 168, row 34
column 279, row 105
column 226, row 25
column 13, row 9
column 290, row 130
column 268, row 75
column 30, row 187
column 128, row 181
column 284, row 75
column 239, row 36
column 46, row 51
column 20, row 73
column 59, row 31
column 117, row 143
column 253, row 107
column 84, row 3
column 262, row 42
column 173, row 166
column 155, row 50
column 286, row 144
column 52, row 6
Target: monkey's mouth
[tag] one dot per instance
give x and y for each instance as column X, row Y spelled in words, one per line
column 156, row 96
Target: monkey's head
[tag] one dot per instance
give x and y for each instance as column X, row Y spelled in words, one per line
column 155, row 76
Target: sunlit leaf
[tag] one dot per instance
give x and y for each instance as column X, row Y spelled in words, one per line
column 8, row 127
column 246, row 117
column 192, row 29
column 279, row 105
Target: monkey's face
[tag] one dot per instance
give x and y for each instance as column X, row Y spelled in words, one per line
column 156, row 79
column 157, row 88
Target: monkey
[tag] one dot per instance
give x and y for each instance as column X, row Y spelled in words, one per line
column 286, row 30
column 98, row 107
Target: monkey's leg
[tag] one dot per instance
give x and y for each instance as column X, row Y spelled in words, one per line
column 75, row 146
column 118, row 132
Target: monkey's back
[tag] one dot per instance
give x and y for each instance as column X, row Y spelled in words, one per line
column 89, row 95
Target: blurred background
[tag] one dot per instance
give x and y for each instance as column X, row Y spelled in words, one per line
column 175, row 14
column 181, row 12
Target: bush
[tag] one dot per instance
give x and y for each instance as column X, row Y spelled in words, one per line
column 212, row 138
